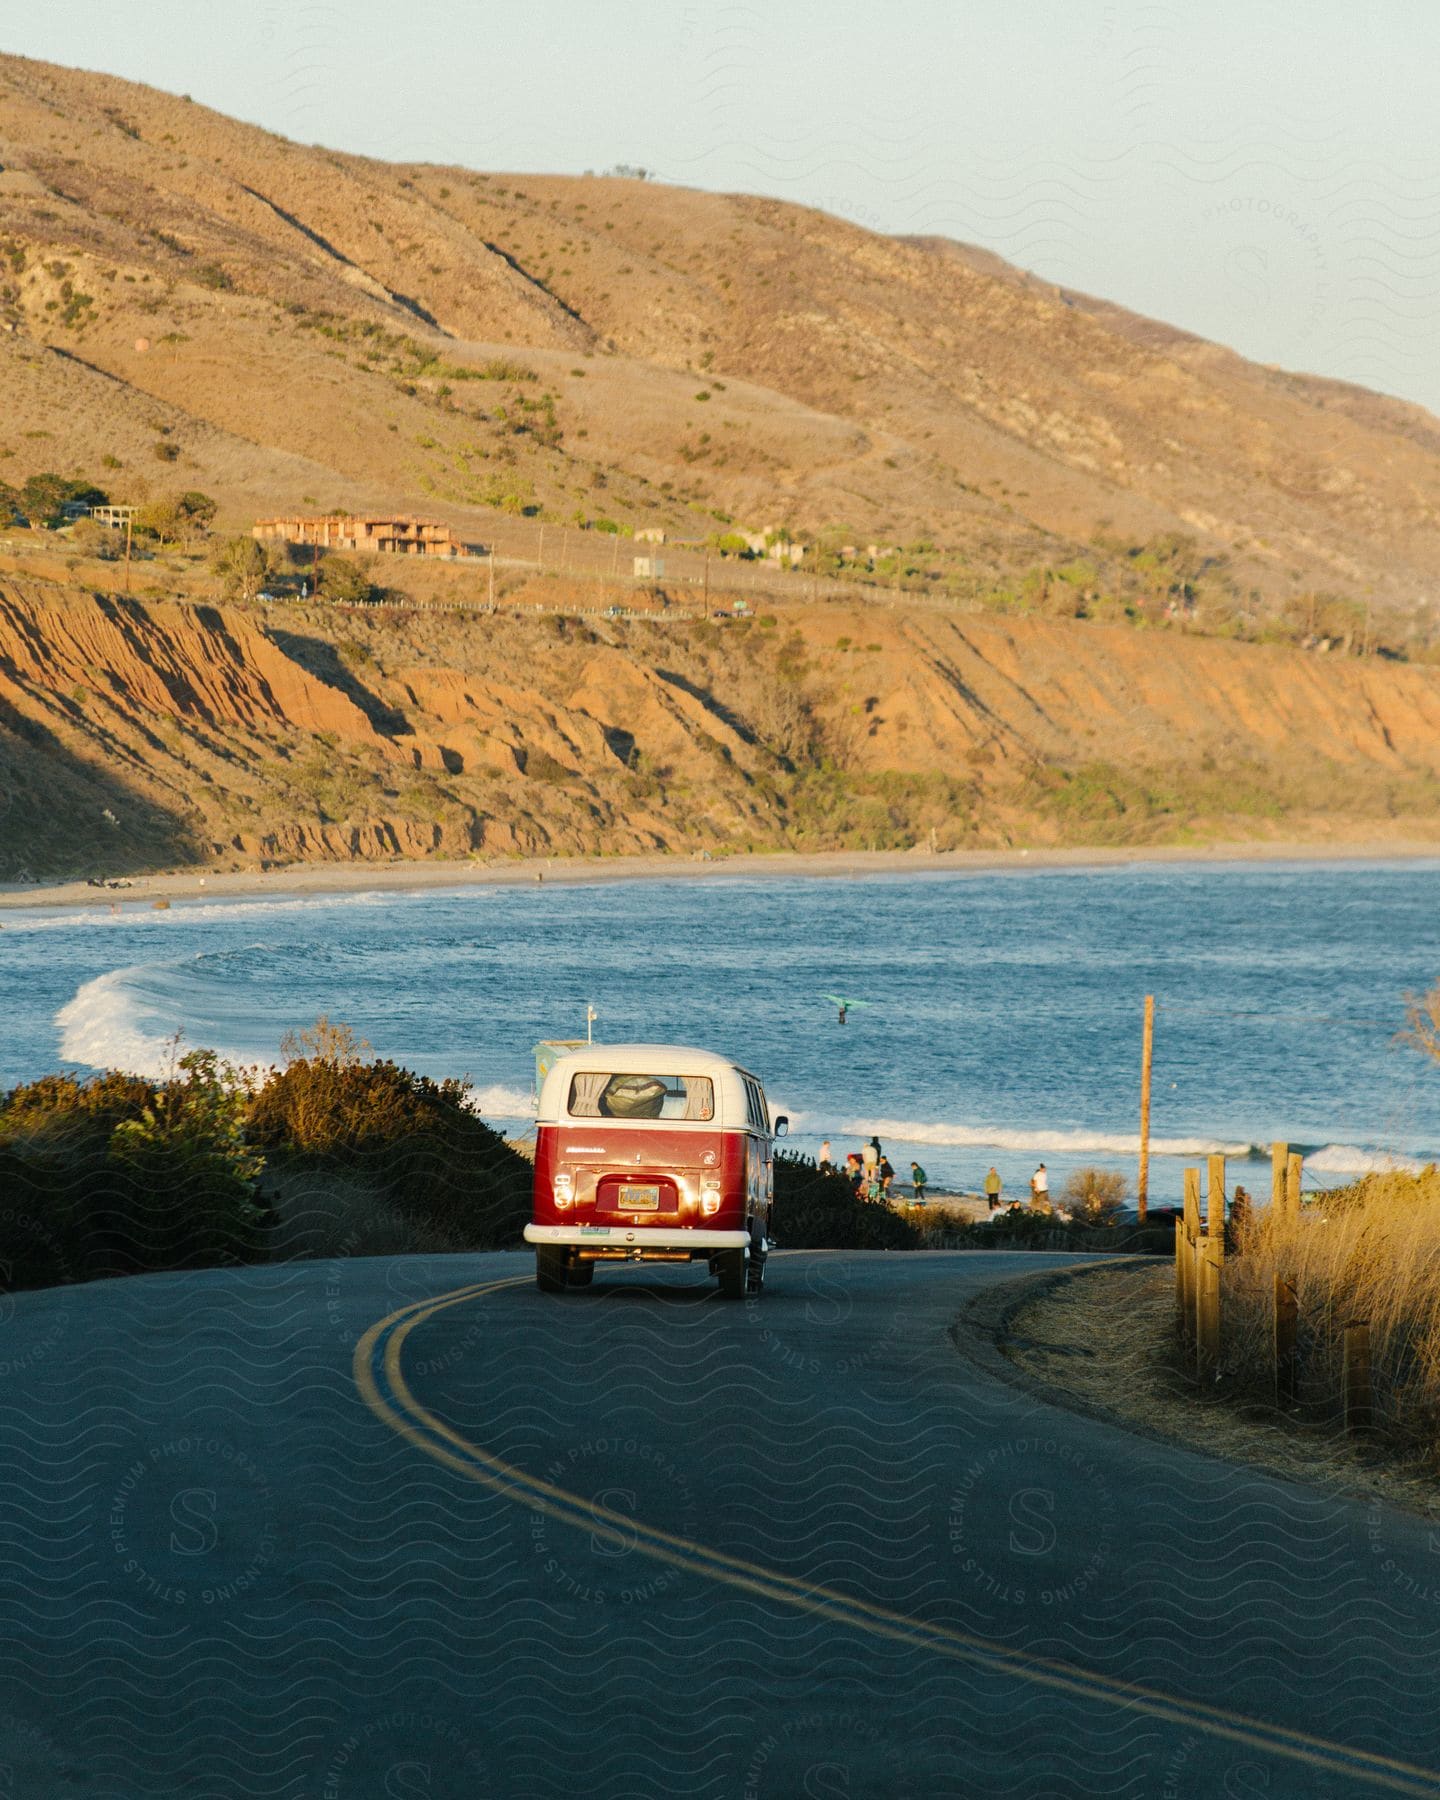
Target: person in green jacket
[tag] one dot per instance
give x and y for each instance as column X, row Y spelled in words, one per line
column 918, row 1180
column 992, row 1189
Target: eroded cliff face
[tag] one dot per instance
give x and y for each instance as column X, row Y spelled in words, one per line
column 141, row 735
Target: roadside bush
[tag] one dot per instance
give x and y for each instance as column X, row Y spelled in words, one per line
column 823, row 1212
column 119, row 1175
column 187, row 1173
column 1095, row 1196
column 415, row 1144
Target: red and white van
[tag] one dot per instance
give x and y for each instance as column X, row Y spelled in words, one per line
column 652, row 1153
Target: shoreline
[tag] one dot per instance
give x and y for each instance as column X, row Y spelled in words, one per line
column 312, row 880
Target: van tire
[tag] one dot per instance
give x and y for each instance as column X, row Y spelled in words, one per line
column 550, row 1271
column 755, row 1274
column 732, row 1266
column 581, row 1274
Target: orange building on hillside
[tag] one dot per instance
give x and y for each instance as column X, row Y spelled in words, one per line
column 383, row 536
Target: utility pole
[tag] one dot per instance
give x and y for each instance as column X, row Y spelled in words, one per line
column 129, row 522
column 492, row 578
column 540, row 553
column 1142, row 1185
column 707, row 578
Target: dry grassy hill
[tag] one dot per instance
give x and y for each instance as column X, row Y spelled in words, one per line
column 298, row 326
column 188, row 302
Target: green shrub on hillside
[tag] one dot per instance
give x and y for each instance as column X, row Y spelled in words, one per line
column 43, row 498
column 347, row 582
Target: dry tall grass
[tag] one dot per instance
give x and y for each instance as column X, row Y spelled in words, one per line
column 1367, row 1254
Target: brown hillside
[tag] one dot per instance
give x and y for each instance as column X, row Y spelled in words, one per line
column 140, row 735
column 307, row 327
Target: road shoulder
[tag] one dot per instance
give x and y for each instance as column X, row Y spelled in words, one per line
column 1096, row 1339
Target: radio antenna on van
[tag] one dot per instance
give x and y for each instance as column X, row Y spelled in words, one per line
column 590, row 1017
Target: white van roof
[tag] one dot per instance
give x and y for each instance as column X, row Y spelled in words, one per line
column 643, row 1059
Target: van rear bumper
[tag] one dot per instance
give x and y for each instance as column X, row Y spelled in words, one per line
column 636, row 1237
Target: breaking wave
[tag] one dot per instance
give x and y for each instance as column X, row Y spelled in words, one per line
column 501, row 1102
column 1348, row 1159
column 129, row 1018
column 1074, row 1142
column 1320, row 1159
column 132, row 914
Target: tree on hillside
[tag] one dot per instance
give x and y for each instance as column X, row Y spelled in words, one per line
column 176, row 518
column 242, row 566
column 43, row 498
column 347, row 582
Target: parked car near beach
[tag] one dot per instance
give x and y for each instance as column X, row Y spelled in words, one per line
column 652, row 1153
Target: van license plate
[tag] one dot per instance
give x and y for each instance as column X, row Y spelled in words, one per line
column 639, row 1199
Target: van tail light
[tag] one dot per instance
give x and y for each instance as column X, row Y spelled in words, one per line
column 710, row 1193
column 563, row 1188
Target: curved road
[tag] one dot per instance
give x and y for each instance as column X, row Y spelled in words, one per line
column 405, row 1527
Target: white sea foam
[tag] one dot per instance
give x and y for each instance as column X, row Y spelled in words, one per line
column 501, row 1102
column 106, row 1026
column 1059, row 1142
column 136, row 1017
column 130, row 912
column 1349, row 1159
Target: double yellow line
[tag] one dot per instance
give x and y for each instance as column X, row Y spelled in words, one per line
column 380, row 1377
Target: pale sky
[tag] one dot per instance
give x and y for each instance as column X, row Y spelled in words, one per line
column 1264, row 173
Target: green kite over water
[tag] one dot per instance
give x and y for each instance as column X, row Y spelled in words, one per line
column 844, row 1004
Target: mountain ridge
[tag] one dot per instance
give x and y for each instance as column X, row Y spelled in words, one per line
column 893, row 388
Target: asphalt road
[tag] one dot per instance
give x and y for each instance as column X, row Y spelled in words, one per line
column 639, row 1541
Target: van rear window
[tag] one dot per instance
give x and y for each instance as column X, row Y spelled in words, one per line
column 597, row 1094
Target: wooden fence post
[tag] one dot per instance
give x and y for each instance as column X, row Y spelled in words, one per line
column 1207, row 1317
column 1294, row 1168
column 1191, row 1227
column 1191, row 1212
column 1355, row 1380
column 1287, row 1314
column 1182, row 1251
column 1215, row 1201
column 1279, row 1157
column 1147, row 1057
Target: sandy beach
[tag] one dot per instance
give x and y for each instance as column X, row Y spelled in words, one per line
column 310, row 879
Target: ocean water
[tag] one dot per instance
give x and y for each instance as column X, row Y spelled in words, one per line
column 1001, row 1015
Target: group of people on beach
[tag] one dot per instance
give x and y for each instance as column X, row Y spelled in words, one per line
column 1039, row 1191
column 870, row 1171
